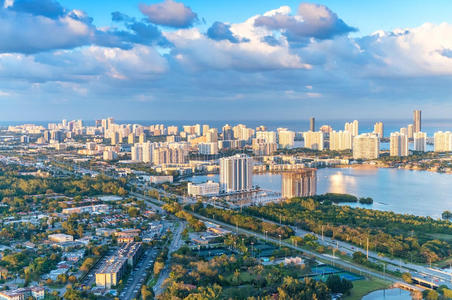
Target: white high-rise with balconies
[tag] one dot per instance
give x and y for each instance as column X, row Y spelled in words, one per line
column 366, row 146
column 236, row 173
column 398, row 144
column 420, row 141
column 340, row 140
column 313, row 140
column 443, row 141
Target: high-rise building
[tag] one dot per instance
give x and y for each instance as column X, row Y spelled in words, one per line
column 379, row 129
column 312, row 124
column 300, row 183
column 267, row 136
column 420, row 141
column 286, row 138
column 443, row 141
column 208, row 148
column 313, row 140
column 142, row 138
column 228, row 134
column 410, row 131
column 137, row 152
column 366, row 146
column 211, row 135
column 417, row 121
column 326, row 129
column 262, row 148
column 131, row 139
column 340, row 140
column 205, row 128
column 241, row 132
column 236, row 173
column 398, row 144
column 115, row 138
column 353, row 127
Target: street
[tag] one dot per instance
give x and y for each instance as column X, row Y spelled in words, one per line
column 138, row 275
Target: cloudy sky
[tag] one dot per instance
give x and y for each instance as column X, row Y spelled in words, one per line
column 224, row 60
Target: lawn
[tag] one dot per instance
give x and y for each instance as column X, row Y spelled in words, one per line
column 364, row 287
column 441, row 236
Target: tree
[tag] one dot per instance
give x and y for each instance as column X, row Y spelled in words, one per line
column 338, row 285
column 407, row 277
column 158, row 267
column 446, row 215
column 430, row 295
column 133, row 211
column 146, row 294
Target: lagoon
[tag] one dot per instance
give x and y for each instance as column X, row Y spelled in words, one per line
column 402, row 191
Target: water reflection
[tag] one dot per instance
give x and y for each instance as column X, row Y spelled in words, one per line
column 420, row 193
column 340, row 182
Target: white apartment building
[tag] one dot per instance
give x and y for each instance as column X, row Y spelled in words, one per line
column 398, row 144
column 366, row 146
column 236, row 173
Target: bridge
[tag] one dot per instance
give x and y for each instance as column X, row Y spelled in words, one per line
column 416, row 292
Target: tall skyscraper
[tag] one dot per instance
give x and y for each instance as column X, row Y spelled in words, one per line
column 312, row 124
column 313, row 140
column 417, row 121
column 366, row 146
column 398, row 144
column 236, row 173
column 300, row 183
column 379, row 129
column 420, row 141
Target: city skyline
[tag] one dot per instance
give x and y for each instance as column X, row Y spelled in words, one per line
column 149, row 60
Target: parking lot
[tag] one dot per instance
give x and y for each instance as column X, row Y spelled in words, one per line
column 138, row 275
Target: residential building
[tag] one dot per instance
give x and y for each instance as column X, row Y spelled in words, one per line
column 398, row 144
column 443, row 141
column 420, row 141
column 340, row 140
column 353, row 127
column 366, row 146
column 313, row 140
column 208, row 148
column 300, row 183
column 236, row 173
column 379, row 129
column 286, row 138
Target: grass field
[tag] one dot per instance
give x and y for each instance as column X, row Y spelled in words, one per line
column 364, row 287
column 441, row 236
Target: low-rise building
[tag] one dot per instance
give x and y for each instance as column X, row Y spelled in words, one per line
column 60, row 238
column 203, row 189
column 35, row 292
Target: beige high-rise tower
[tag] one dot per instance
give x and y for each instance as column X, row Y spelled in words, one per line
column 417, row 121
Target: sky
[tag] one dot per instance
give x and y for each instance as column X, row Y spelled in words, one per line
column 224, row 60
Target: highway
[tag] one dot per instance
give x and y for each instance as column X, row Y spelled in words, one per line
column 433, row 275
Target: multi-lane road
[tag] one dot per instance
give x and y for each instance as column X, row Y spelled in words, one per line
column 138, row 275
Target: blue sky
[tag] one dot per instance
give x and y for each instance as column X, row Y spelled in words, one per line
column 224, row 59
